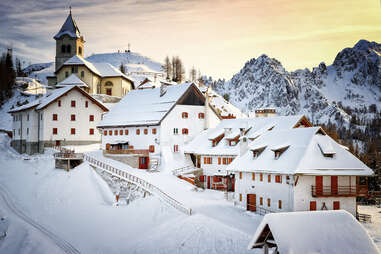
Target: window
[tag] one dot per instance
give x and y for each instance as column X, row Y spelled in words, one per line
column 80, row 51
column 55, row 131
column 59, row 103
column 27, row 131
column 73, row 104
column 154, row 131
column 268, row 202
column 175, row 148
column 120, row 132
column 137, row 131
column 66, row 74
column 27, row 117
column 224, row 161
column 219, row 160
column 185, row 131
column 91, row 131
column 280, row 204
column 91, row 118
column 201, row 115
column 261, row 201
column 55, row 117
column 145, row 131
column 41, row 117
column 115, row 132
column 68, row 49
column 63, row 49
column 74, row 69
column 82, row 74
column 125, row 132
column 312, row 205
column 151, row 149
column 175, row 131
column 110, row 132
column 336, row 205
column 240, row 197
column 72, row 131
column 261, row 177
column 253, row 176
column 240, row 175
column 269, row 178
column 105, row 133
column 278, row 179
column 72, row 117
column 184, row 115
column 86, row 104
column 207, row 160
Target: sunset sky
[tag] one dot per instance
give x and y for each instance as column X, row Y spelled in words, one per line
column 216, row 36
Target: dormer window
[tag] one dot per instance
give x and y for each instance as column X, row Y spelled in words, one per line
column 258, row 151
column 326, row 147
column 279, row 151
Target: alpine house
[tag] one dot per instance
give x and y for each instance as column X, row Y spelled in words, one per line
column 146, row 120
column 297, row 170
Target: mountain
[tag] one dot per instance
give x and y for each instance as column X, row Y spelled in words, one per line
column 347, row 91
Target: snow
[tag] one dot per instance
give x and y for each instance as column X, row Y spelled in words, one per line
column 144, row 106
column 303, row 156
column 373, row 228
column 72, row 80
column 69, row 28
column 317, row 232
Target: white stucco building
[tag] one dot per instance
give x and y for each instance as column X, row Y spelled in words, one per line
column 300, row 169
column 146, row 120
column 66, row 116
column 214, row 149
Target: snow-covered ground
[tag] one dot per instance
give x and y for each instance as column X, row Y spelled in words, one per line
column 374, row 228
column 78, row 207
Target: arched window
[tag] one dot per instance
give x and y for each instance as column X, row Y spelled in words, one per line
column 68, row 49
column 80, row 51
column 63, row 49
column 108, row 83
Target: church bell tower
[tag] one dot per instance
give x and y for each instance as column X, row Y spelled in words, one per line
column 69, row 42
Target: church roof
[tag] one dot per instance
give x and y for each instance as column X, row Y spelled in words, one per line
column 69, row 28
column 72, row 80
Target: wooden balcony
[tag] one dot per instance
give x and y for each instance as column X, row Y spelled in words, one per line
column 144, row 152
column 339, row 191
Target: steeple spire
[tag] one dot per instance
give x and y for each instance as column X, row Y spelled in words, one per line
column 70, row 9
column 69, row 28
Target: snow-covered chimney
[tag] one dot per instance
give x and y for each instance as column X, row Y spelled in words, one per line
column 243, row 145
column 163, row 89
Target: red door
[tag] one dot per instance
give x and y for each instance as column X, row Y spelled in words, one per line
column 313, row 206
column 109, row 91
column 319, row 185
column 143, row 162
column 251, row 202
column 336, row 205
column 208, row 182
column 334, row 183
column 58, row 143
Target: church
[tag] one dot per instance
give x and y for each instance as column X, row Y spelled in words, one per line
column 98, row 78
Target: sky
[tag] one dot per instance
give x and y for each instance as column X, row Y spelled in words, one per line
column 215, row 36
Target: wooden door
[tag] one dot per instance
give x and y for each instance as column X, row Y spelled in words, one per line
column 336, row 205
column 334, row 185
column 208, row 182
column 313, row 206
column 58, row 143
column 251, row 202
column 319, row 185
column 109, row 91
column 143, row 162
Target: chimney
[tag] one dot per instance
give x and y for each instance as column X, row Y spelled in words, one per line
column 163, row 89
column 243, row 145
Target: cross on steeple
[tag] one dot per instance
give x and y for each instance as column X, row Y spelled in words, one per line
column 70, row 9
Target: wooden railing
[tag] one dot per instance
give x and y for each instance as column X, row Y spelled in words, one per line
column 78, row 156
column 124, row 175
column 329, row 191
column 362, row 217
column 186, row 169
column 128, row 151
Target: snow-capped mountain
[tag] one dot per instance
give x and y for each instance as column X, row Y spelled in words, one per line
column 351, row 84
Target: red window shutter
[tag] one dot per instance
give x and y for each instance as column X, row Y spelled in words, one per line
column 59, row 103
column 105, row 133
column 55, row 117
column 91, row 118
column 151, row 148
column 125, row 132
column 110, row 132
column 202, row 178
column 72, row 131
column 253, row 176
column 204, row 160
column 145, row 131
column 219, row 160
column 72, row 117
column 154, row 131
column 86, row 104
column 280, row 204
column 269, row 178
column 261, row 177
column 115, row 132
column 261, row 201
column 336, row 205
column 312, row 205
column 55, row 131
column 268, row 202
column 73, row 104
column 240, row 175
column 91, row 131
column 120, row 132
column 137, row 131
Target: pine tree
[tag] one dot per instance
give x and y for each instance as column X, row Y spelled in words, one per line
column 122, row 68
column 167, row 67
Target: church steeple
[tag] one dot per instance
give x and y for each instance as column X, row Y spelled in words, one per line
column 69, row 41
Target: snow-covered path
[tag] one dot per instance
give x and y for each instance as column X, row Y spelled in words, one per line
column 7, row 200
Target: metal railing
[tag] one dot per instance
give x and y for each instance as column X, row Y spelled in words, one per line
column 186, row 169
column 329, row 191
column 122, row 174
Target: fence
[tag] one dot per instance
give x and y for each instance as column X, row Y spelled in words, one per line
column 185, row 169
column 362, row 217
column 139, row 182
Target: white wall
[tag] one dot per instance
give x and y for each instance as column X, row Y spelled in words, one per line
column 24, row 129
column 82, row 124
column 214, row 168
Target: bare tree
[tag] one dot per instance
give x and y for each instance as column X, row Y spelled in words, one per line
column 193, row 74
column 167, row 67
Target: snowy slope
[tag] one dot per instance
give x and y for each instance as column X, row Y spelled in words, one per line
column 353, row 80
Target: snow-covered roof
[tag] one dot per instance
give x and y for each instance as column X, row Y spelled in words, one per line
column 302, row 156
column 144, row 107
column 253, row 127
column 72, row 80
column 69, row 28
column 334, row 232
column 25, row 107
column 101, row 69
